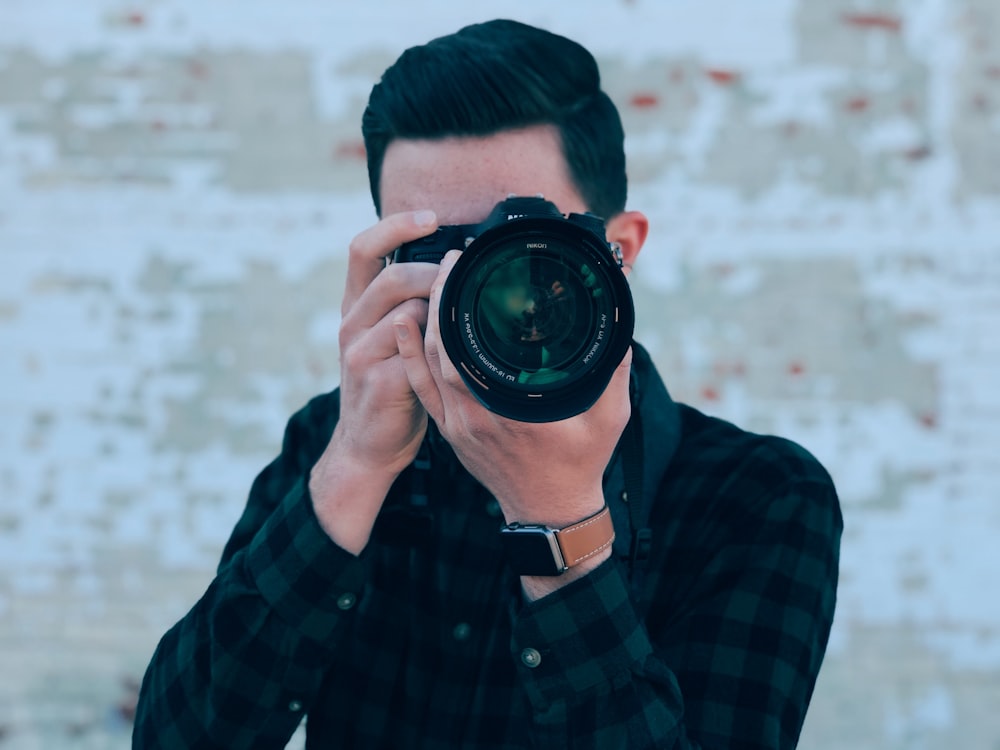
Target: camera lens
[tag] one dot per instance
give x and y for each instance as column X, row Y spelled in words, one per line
column 536, row 318
column 533, row 314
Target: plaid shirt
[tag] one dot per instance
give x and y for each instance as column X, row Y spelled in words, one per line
column 426, row 642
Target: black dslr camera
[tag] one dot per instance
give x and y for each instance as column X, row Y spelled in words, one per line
column 536, row 314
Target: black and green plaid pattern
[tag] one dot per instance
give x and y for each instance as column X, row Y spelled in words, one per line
column 425, row 642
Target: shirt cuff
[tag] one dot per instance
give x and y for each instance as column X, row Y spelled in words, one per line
column 584, row 635
column 310, row 582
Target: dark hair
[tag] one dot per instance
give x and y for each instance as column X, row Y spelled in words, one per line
column 496, row 76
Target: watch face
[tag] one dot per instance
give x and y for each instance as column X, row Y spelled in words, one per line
column 532, row 551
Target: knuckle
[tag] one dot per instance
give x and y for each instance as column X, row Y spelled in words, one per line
column 357, row 246
column 450, row 375
column 378, row 240
column 414, row 308
column 349, row 359
column 479, row 431
column 352, row 354
column 344, row 341
column 345, row 334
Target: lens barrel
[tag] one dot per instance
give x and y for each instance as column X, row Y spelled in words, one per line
column 536, row 314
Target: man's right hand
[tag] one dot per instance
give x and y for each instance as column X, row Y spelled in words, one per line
column 381, row 421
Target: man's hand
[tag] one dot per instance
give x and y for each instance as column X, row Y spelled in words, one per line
column 381, row 421
column 539, row 473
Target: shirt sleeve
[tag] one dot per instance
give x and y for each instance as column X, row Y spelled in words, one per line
column 239, row 670
column 729, row 650
column 590, row 671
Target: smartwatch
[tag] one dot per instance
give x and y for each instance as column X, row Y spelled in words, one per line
column 533, row 550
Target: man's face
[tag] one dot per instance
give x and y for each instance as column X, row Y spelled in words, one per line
column 463, row 178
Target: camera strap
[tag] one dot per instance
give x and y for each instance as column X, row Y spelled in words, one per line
column 634, row 497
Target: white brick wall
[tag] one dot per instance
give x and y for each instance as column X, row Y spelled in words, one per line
column 178, row 182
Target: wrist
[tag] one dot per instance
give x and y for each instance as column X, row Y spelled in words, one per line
column 347, row 498
column 556, row 508
column 548, row 558
column 535, row 587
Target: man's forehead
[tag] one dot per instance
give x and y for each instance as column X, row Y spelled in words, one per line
column 462, row 178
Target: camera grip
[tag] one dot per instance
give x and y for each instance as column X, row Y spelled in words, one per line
column 432, row 248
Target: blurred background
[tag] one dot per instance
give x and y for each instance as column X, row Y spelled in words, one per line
column 179, row 181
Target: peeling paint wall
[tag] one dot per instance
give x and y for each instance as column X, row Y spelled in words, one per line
column 179, row 182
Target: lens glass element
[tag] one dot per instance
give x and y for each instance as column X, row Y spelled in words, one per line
column 534, row 309
column 536, row 317
column 533, row 314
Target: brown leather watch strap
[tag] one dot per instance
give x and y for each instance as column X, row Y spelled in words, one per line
column 589, row 537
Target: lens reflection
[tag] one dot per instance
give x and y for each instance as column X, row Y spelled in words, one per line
column 534, row 312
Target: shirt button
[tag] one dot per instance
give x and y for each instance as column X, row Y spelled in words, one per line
column 531, row 658
column 347, row 601
column 462, row 631
column 295, row 706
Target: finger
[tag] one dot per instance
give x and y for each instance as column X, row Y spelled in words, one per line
column 411, row 350
column 433, row 345
column 391, row 288
column 363, row 347
column 615, row 398
column 619, row 383
column 368, row 250
column 624, row 369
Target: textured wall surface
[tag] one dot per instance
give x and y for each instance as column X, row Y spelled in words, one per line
column 179, row 181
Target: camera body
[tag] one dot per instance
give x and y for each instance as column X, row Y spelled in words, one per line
column 433, row 247
column 536, row 314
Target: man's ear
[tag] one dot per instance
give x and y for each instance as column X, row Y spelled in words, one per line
column 629, row 230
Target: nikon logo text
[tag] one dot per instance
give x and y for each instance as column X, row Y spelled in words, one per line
column 536, row 245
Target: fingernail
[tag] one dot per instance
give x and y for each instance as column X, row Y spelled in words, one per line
column 402, row 332
column 424, row 218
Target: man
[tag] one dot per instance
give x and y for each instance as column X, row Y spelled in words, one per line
column 365, row 584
